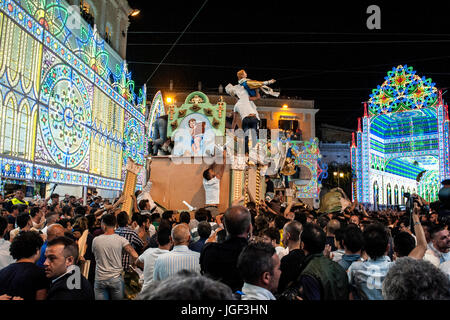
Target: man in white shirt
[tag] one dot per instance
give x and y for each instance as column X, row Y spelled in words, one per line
column 146, row 260
column 245, row 108
column 211, row 183
column 247, row 91
column 260, row 267
column 180, row 258
column 145, row 195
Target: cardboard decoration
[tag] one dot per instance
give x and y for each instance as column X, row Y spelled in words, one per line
column 194, row 125
column 129, row 187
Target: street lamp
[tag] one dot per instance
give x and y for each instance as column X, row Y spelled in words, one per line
column 135, row 12
column 338, row 175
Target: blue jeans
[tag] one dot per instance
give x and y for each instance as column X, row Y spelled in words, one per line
column 160, row 134
column 250, row 123
column 111, row 289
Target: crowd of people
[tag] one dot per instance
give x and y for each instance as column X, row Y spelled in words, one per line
column 65, row 249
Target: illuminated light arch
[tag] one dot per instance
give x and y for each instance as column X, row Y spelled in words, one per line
column 50, row 14
column 307, row 154
column 157, row 109
column 402, row 90
column 22, row 133
column 9, row 123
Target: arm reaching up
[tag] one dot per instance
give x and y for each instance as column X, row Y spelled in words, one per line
column 419, row 251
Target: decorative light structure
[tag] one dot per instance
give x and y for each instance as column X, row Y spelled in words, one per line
column 61, row 121
column 402, row 140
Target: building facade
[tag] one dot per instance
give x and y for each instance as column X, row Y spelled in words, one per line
column 111, row 19
column 296, row 114
column 335, row 152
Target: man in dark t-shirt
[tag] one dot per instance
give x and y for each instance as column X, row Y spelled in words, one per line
column 219, row 260
column 269, row 185
column 291, row 264
column 24, row 278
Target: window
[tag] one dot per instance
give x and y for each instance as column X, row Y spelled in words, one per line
column 85, row 6
column 389, row 194
column 87, row 11
column 22, row 132
column 8, row 132
column 375, row 193
column 396, row 194
column 288, row 125
column 108, row 34
column 263, row 124
column 402, row 195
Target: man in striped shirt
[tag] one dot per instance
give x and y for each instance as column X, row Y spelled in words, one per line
column 133, row 238
column 180, row 258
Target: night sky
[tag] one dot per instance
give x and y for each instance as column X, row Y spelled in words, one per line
column 339, row 76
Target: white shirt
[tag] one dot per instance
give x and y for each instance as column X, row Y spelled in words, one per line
column 145, row 195
column 152, row 230
column 180, row 258
column 148, row 258
column 445, row 267
column 281, row 252
column 244, row 106
column 212, row 190
column 35, row 225
column 337, row 255
column 5, row 256
column 252, row 292
column 435, row 257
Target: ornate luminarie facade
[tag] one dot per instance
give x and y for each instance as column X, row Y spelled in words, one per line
column 66, row 117
column 402, row 142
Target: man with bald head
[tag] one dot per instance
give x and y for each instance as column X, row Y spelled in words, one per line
column 219, row 260
column 53, row 231
column 180, row 258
